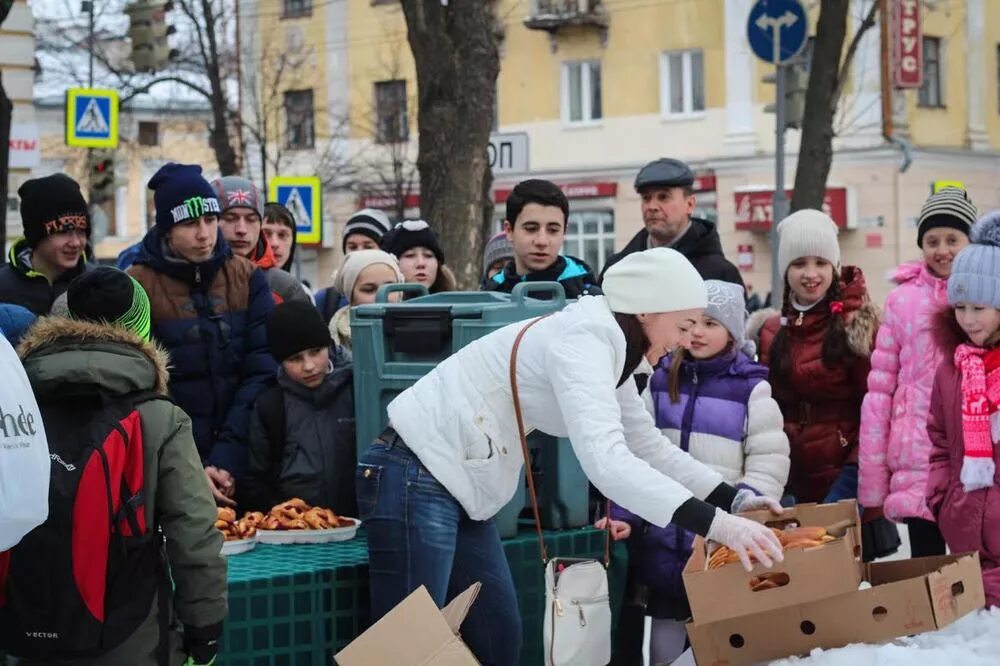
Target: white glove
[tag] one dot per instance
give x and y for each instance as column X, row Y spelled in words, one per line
column 747, row 500
column 746, row 538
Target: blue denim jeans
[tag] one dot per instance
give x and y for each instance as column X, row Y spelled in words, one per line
column 418, row 534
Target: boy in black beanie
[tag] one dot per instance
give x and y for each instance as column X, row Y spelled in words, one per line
column 302, row 436
column 56, row 231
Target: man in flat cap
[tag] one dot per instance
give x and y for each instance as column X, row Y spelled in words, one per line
column 668, row 200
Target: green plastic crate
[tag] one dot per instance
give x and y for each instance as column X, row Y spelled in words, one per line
column 395, row 344
column 300, row 604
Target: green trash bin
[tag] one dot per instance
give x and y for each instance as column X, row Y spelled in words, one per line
column 395, row 344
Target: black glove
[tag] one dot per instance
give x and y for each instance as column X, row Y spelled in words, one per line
column 201, row 643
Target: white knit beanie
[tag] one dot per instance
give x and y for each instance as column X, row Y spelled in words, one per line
column 807, row 233
column 355, row 262
column 656, row 280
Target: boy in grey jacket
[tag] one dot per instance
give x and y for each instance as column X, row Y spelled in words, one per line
column 302, row 436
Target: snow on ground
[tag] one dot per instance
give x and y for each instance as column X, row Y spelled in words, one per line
column 973, row 640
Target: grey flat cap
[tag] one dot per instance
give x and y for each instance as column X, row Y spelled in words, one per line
column 664, row 172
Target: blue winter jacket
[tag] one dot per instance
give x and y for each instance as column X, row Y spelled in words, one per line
column 210, row 318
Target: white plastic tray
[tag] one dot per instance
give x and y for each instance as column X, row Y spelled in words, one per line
column 310, row 536
column 237, row 547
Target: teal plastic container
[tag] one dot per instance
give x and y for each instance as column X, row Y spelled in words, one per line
column 395, row 344
column 563, row 488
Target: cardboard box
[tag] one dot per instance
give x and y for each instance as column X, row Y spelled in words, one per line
column 825, row 571
column 907, row 597
column 415, row 632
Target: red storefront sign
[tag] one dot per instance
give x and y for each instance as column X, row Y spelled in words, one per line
column 571, row 190
column 744, row 257
column 907, row 44
column 754, row 212
column 388, row 201
column 704, row 181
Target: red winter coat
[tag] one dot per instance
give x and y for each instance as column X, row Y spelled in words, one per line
column 968, row 521
column 821, row 405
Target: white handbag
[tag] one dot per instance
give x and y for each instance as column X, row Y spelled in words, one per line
column 577, row 629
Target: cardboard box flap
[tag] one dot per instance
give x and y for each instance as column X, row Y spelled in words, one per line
column 454, row 613
column 410, row 633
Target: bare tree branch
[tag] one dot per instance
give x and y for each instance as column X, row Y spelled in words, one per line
column 852, row 48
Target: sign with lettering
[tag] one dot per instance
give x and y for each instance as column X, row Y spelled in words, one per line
column 907, row 44
column 25, row 149
column 754, row 213
column 508, row 153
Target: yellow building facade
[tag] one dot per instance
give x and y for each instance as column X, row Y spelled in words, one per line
column 612, row 84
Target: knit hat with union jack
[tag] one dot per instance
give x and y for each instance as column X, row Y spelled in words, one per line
column 237, row 192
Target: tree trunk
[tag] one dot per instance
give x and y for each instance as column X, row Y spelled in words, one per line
column 456, row 52
column 816, row 147
column 219, row 135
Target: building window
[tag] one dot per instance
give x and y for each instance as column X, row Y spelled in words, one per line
column 299, row 117
column 581, row 91
column 682, row 83
column 390, row 108
column 149, row 133
column 590, row 235
column 296, row 8
column 930, row 91
column 385, row 2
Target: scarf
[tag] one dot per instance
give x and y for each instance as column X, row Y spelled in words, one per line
column 980, row 370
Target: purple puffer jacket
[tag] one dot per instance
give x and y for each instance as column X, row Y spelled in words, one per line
column 710, row 417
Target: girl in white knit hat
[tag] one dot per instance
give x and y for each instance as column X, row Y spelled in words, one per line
column 359, row 279
column 818, row 349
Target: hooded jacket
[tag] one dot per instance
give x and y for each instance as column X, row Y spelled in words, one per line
column 21, row 285
column 61, row 353
column 316, row 453
column 573, row 274
column 210, row 317
column 700, row 244
column 284, row 286
column 895, row 446
column 822, row 405
column 968, row 521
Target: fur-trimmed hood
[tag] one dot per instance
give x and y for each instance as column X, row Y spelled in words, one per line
column 58, row 352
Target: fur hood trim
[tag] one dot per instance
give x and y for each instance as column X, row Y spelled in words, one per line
column 49, row 331
column 756, row 321
column 862, row 328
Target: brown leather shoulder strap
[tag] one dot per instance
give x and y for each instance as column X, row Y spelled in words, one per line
column 527, row 454
column 524, row 439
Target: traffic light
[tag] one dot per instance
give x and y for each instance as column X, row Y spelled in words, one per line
column 148, row 31
column 102, row 176
column 796, row 82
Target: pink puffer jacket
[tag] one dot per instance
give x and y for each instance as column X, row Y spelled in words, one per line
column 895, row 448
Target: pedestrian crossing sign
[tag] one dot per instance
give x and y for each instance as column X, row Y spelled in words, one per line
column 301, row 196
column 91, row 118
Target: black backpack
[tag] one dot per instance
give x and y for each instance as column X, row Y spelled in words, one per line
column 82, row 582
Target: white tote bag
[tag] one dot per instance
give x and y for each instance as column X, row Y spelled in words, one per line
column 24, row 453
column 577, row 629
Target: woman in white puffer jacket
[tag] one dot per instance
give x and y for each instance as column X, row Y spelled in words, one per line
column 451, row 458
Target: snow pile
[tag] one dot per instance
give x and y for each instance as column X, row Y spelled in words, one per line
column 974, row 640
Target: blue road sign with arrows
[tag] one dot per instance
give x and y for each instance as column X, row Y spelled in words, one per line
column 777, row 30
